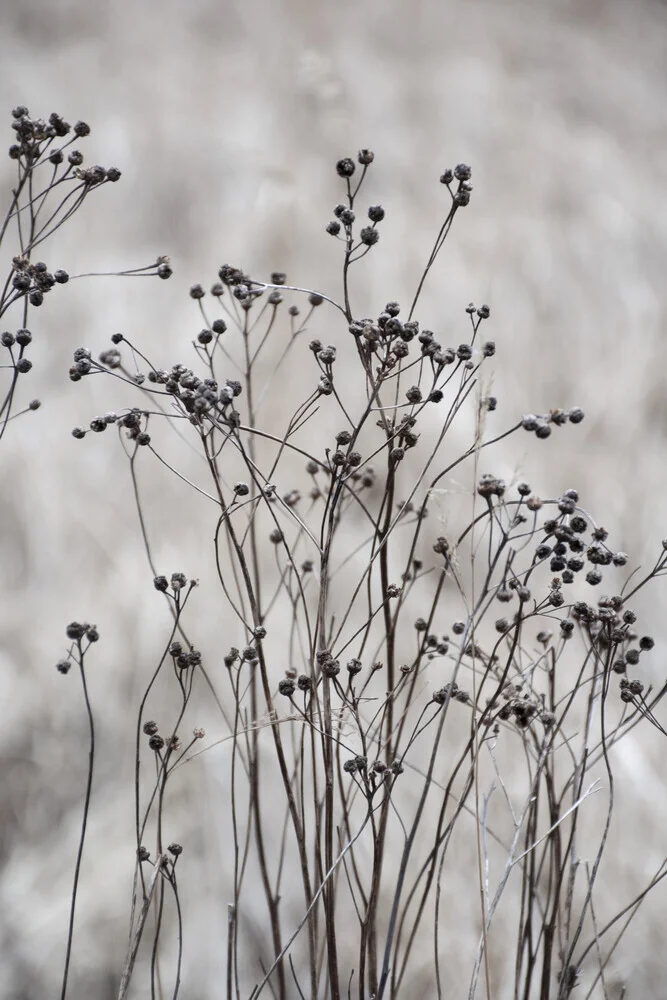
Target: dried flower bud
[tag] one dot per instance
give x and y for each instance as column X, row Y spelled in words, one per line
column 345, row 167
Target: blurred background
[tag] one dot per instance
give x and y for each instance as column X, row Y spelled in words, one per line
column 226, row 119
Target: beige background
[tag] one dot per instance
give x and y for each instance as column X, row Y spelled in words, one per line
column 226, row 119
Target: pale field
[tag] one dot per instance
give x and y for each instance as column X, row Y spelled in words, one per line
column 226, row 120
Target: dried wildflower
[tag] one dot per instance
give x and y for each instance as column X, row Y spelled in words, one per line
column 345, row 167
column 286, row 687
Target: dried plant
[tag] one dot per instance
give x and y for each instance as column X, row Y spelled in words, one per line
column 398, row 681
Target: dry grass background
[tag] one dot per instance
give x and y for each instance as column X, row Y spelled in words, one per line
column 226, row 119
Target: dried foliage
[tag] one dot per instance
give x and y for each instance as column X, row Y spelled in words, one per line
column 374, row 657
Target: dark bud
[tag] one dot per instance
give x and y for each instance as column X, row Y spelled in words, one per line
column 489, row 349
column 462, row 172
column 110, row 358
column 75, row 630
column 21, row 282
column 197, row 292
column 63, row 666
column 365, row 156
column 286, row 687
column 447, row 177
column 646, row 642
column 576, row 415
column 369, row 236
column 113, row 174
column 543, row 431
column 345, row 167
column 175, row 849
column 205, row 336
column 161, row 583
column 333, row 228
column 156, row 742
column 164, row 270
column 81, row 129
column 376, row 213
